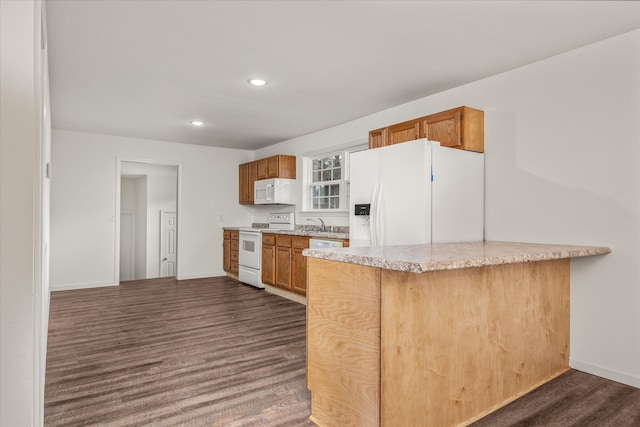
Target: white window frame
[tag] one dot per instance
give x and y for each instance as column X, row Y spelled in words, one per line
column 308, row 183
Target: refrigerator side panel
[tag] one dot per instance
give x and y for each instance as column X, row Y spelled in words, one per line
column 458, row 195
column 405, row 171
column 363, row 176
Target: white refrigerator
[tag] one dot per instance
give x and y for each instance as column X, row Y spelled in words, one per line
column 414, row 193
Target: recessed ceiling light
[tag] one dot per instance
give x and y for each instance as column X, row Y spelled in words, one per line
column 257, row 82
column 197, row 122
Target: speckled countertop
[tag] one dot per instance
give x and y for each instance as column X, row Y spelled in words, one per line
column 452, row 256
column 310, row 232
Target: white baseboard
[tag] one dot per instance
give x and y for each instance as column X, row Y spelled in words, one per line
column 601, row 371
column 73, row 286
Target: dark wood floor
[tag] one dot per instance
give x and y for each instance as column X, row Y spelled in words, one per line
column 214, row 352
column 208, row 352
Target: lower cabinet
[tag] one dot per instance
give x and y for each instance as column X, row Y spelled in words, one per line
column 283, row 264
column 299, row 265
column 268, row 258
column 283, row 261
column 230, row 251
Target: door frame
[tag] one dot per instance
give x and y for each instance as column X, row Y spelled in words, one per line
column 116, row 254
column 132, row 257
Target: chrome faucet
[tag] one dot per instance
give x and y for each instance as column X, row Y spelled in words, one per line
column 322, row 226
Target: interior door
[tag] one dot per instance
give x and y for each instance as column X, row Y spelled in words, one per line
column 168, row 243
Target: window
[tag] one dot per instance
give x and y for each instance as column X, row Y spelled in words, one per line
column 326, row 180
column 325, row 187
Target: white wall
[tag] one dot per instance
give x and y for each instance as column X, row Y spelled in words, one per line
column 562, row 152
column 23, row 153
column 83, row 206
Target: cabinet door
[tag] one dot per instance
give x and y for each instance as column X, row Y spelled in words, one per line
column 226, row 257
column 262, row 169
column 283, row 267
column 253, row 177
column 406, row 131
column 273, row 170
column 243, row 184
column 378, row 138
column 234, row 253
column 445, row 128
column 299, row 265
column 268, row 264
column 286, row 166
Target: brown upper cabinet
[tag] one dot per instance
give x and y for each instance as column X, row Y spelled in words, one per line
column 378, row 138
column 279, row 166
column 248, row 175
column 405, row 131
column 461, row 127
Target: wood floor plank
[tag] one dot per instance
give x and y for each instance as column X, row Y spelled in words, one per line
column 215, row 352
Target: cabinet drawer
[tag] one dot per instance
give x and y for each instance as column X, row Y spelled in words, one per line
column 300, row 242
column 226, row 234
column 235, row 246
column 234, row 257
column 235, row 235
column 234, row 267
column 268, row 239
column 283, row 241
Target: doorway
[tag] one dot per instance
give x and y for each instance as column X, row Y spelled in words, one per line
column 147, row 191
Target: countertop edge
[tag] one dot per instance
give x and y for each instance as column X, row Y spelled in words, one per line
column 543, row 252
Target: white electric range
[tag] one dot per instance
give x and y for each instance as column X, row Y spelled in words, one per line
column 250, row 248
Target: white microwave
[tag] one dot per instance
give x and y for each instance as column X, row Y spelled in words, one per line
column 276, row 191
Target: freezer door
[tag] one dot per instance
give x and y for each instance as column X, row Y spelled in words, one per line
column 363, row 177
column 405, row 198
column 458, row 195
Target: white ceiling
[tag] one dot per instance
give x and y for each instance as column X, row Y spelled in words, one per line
column 146, row 68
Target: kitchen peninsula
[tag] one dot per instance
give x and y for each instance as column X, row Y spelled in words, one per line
column 434, row 335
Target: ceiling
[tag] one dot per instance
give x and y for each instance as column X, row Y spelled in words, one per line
column 147, row 68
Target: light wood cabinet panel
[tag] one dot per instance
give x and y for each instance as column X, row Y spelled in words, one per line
column 461, row 127
column 299, row 265
column 441, row 348
column 268, row 259
column 343, row 344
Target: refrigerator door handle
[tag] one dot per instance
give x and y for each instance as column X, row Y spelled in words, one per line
column 379, row 221
column 373, row 216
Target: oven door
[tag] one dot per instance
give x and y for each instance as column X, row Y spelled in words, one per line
column 250, row 249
